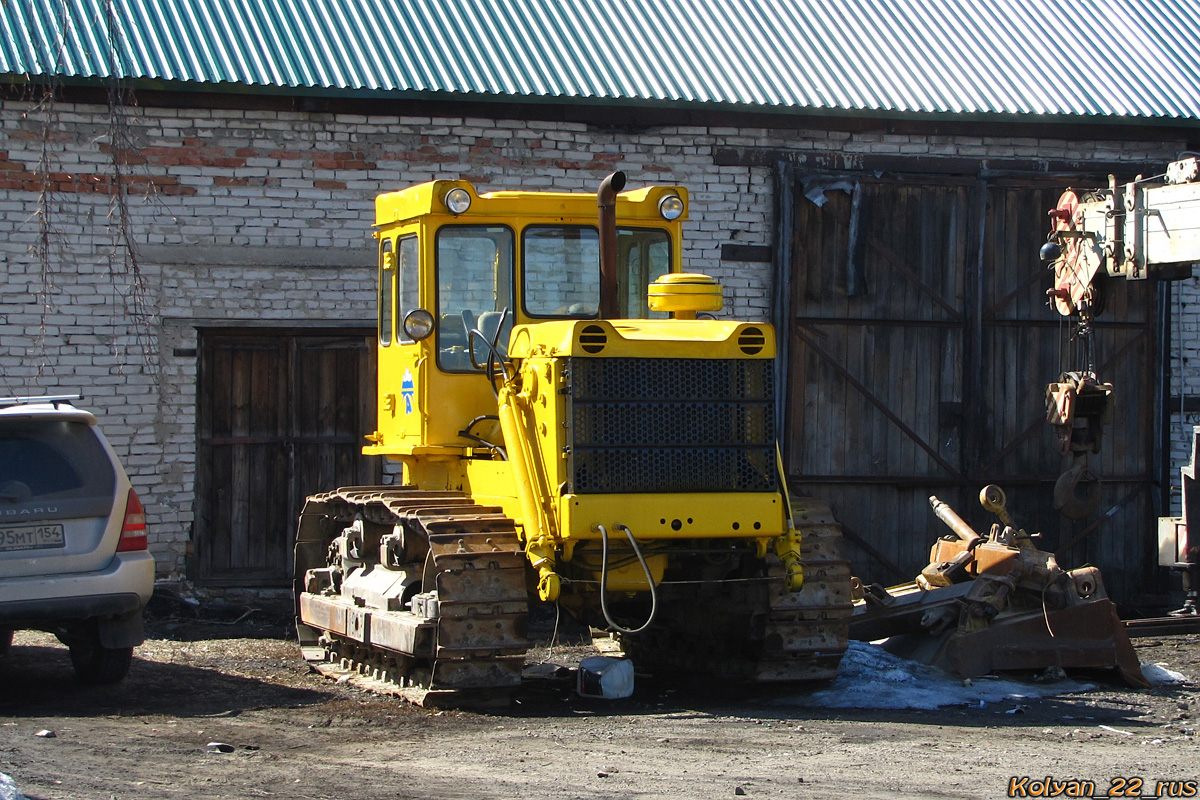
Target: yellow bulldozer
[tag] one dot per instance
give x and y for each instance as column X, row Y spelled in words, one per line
column 576, row 428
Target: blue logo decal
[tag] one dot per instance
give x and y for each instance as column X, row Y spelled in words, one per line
column 407, row 389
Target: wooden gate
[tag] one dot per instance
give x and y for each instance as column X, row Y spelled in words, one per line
column 281, row 414
column 921, row 344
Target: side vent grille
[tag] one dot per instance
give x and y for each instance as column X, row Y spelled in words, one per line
column 752, row 341
column 593, row 339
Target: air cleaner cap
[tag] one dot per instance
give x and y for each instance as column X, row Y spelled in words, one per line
column 685, row 293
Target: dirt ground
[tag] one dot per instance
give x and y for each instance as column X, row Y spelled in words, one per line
column 294, row 734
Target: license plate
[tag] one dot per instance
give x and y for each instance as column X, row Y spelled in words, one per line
column 31, row 537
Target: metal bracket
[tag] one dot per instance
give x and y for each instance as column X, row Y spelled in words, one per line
column 1135, row 246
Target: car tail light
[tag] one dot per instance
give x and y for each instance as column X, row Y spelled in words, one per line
column 133, row 529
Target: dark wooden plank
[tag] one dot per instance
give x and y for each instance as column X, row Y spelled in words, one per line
column 885, row 432
column 853, row 424
column 217, row 543
column 258, row 508
column 205, row 366
column 214, row 543
column 346, row 400
column 369, row 470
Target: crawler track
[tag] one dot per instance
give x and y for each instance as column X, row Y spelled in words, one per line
column 744, row 626
column 751, row 627
column 472, row 639
column 807, row 630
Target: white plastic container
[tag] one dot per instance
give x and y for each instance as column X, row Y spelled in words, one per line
column 606, row 677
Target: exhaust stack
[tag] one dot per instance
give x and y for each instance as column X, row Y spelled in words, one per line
column 606, row 202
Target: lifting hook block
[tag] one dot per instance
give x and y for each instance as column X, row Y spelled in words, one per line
column 1077, row 492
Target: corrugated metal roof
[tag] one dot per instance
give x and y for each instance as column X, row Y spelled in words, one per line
column 1110, row 58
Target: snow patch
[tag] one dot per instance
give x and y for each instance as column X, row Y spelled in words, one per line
column 871, row 677
column 1161, row 674
column 8, row 789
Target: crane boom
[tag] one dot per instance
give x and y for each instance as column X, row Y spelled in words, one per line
column 1145, row 229
column 1137, row 230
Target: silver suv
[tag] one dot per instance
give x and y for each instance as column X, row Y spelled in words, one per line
column 73, row 557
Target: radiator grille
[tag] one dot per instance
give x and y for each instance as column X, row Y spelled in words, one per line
column 671, row 425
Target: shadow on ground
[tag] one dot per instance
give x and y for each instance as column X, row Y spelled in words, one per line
column 38, row 681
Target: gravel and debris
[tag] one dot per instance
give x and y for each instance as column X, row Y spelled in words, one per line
column 225, row 708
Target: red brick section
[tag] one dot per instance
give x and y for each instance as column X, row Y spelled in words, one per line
column 185, row 157
column 353, row 160
column 17, row 176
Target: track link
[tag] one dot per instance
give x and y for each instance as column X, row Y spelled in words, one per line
column 806, row 632
column 462, row 636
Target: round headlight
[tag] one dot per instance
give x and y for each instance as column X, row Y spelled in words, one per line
column 418, row 324
column 458, row 201
column 671, row 207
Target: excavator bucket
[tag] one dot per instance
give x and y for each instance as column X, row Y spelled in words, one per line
column 997, row 603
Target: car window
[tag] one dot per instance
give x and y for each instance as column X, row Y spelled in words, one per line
column 59, row 461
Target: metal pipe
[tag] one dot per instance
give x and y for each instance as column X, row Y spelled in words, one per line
column 956, row 523
column 606, row 203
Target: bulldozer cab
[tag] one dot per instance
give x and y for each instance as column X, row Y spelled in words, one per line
column 458, row 270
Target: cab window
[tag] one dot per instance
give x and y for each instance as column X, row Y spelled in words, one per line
column 474, row 286
column 561, row 270
column 408, row 273
column 644, row 255
column 387, row 292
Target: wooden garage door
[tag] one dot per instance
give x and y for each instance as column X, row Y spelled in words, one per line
column 280, row 415
column 921, row 344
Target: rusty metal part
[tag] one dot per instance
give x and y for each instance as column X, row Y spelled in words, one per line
column 1017, row 610
column 1079, row 406
column 1077, row 492
column 464, row 632
column 993, row 499
column 606, row 202
column 1184, row 171
column 953, row 521
column 1089, row 635
column 1080, row 262
column 1135, row 231
column 947, row 572
column 1162, row 626
column 906, row 608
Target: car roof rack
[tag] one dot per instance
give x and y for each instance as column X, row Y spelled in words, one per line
column 53, row 399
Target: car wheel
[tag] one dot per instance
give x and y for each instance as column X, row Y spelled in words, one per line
column 96, row 664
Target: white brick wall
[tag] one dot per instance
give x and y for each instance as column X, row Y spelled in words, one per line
column 279, row 180
column 1185, row 375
